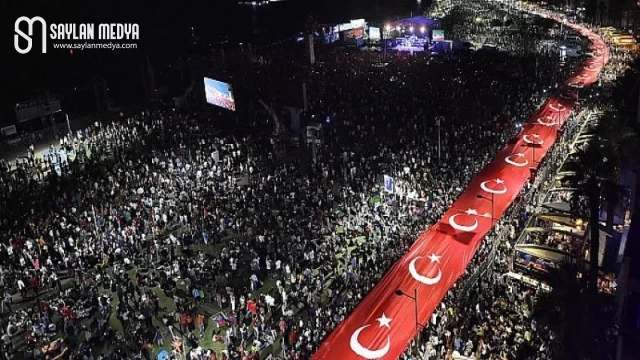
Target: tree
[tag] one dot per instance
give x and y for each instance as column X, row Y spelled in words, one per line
column 622, row 144
column 311, row 25
column 600, row 163
column 562, row 311
column 573, row 4
column 591, row 9
column 602, row 10
column 587, row 183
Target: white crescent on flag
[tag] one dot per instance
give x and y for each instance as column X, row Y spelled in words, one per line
column 425, row 279
column 509, row 160
column 368, row 353
column 548, row 121
column 485, row 188
column 592, row 68
column 466, row 228
column 534, row 139
column 557, row 108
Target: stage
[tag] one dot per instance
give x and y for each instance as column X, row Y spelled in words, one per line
column 409, row 44
column 410, row 35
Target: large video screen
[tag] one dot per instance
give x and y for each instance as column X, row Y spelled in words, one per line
column 374, row 33
column 219, row 93
column 354, row 34
column 438, row 35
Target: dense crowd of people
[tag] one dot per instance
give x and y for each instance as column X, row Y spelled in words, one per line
column 158, row 232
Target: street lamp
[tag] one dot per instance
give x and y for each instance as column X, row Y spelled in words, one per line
column 533, row 154
column 415, row 303
column 535, row 140
column 492, row 199
column 577, row 86
column 385, row 35
column 557, row 107
column 439, row 120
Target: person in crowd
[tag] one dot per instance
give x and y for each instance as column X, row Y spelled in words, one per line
column 158, row 225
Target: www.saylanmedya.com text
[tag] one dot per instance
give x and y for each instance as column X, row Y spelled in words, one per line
column 86, row 45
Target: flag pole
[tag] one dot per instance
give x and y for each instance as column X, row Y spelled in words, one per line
column 95, row 219
column 184, row 348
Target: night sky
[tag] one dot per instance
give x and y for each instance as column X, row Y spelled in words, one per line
column 165, row 28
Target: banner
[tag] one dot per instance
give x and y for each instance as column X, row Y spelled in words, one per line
column 388, row 184
column 438, row 35
column 530, row 263
column 383, row 324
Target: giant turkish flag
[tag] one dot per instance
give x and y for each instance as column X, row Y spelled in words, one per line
column 383, row 324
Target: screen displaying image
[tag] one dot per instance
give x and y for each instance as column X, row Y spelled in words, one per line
column 354, row 34
column 438, row 35
column 219, row 93
column 374, row 33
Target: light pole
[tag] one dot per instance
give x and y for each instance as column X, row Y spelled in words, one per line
column 417, row 324
column 533, row 154
column 439, row 125
column 68, row 124
column 556, row 121
column 577, row 86
column 492, row 199
column 385, row 36
column 534, row 143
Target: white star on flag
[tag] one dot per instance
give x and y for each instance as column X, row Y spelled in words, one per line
column 499, row 181
column 435, row 258
column 520, row 154
column 384, row 321
column 536, row 136
column 471, row 212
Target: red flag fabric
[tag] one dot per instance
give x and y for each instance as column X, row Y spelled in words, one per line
column 252, row 306
column 383, row 324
